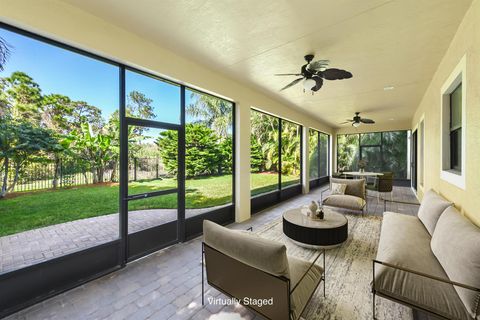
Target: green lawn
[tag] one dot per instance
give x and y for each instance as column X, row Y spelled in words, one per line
column 44, row 208
column 266, row 182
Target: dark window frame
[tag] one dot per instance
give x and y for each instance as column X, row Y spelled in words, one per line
column 455, row 134
column 319, row 175
column 267, row 199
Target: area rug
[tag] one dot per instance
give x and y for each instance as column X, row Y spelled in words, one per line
column 348, row 273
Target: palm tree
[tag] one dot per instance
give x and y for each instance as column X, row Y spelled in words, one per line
column 265, row 131
column 4, row 53
column 214, row 112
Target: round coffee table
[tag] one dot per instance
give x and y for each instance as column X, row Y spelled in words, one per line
column 328, row 233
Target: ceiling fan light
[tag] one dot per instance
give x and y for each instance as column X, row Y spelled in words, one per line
column 356, row 124
column 308, row 84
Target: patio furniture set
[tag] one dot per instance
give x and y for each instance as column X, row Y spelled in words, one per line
column 414, row 265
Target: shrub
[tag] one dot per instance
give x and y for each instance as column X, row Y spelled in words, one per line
column 205, row 152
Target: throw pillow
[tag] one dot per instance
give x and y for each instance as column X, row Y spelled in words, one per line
column 338, row 188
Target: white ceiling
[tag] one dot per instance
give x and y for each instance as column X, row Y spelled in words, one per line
column 382, row 42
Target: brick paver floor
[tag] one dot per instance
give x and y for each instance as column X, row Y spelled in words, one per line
column 37, row 245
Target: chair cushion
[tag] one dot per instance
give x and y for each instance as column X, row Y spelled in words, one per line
column 306, row 285
column 456, row 244
column 344, row 201
column 431, row 208
column 355, row 187
column 260, row 253
column 405, row 242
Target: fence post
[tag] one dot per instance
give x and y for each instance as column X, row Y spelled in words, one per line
column 134, row 169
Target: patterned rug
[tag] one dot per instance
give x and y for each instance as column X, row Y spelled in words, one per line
column 348, row 274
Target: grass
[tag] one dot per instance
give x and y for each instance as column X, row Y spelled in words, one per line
column 26, row 211
column 268, row 181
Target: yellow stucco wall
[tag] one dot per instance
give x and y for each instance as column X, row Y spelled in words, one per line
column 465, row 43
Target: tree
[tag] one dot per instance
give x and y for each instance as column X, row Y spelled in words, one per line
column 225, row 155
column 57, row 115
column 4, row 53
column 394, row 153
column 257, row 163
column 203, row 154
column 168, row 146
column 20, row 97
column 19, row 142
column 265, row 131
column 211, row 111
column 7, row 137
column 139, row 106
column 82, row 112
column 290, row 148
column 61, row 151
column 313, row 153
column 95, row 148
column 348, row 151
column 324, row 152
column 57, row 112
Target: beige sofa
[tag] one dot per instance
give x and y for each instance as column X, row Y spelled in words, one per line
column 251, row 269
column 430, row 262
column 355, row 197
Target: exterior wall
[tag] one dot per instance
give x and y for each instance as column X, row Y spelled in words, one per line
column 70, row 25
column 465, row 43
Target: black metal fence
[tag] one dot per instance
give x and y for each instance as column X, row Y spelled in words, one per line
column 68, row 173
column 145, row 169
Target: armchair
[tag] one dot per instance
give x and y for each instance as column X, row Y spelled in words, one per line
column 355, row 197
column 245, row 266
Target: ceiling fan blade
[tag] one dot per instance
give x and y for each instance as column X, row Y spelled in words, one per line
column 319, row 83
column 348, row 121
column 335, row 74
column 294, row 82
column 368, row 121
column 317, row 65
column 288, row 74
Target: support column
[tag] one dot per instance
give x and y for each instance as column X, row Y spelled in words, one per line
column 305, row 162
column 242, row 162
column 333, row 153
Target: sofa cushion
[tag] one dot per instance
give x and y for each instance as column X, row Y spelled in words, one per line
column 301, row 294
column 355, row 187
column 260, row 253
column 431, row 208
column 456, row 244
column 344, row 201
column 405, row 242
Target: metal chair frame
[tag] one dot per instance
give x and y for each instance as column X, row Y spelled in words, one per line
column 281, row 278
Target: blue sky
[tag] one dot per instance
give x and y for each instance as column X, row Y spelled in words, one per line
column 61, row 71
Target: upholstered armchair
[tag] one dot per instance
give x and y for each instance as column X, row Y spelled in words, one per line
column 244, row 266
column 354, row 198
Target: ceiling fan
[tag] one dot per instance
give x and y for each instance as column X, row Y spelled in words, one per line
column 313, row 72
column 357, row 120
